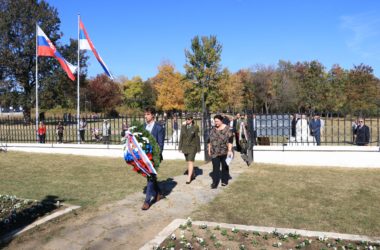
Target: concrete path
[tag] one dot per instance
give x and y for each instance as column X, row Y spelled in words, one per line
column 123, row 225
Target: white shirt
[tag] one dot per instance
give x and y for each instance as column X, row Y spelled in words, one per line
column 149, row 127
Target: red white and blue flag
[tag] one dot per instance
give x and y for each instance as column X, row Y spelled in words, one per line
column 46, row 48
column 86, row 44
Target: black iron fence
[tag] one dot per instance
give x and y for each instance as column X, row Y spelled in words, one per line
column 272, row 129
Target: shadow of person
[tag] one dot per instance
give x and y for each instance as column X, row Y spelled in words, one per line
column 166, row 186
column 197, row 171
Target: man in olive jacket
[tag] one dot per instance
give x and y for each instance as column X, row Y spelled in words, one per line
column 189, row 144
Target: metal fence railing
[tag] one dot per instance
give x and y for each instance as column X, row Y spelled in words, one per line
column 337, row 128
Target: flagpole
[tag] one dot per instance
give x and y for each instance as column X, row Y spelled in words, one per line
column 78, row 71
column 36, row 83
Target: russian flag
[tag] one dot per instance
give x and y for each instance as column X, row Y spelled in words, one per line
column 46, row 48
column 86, row 44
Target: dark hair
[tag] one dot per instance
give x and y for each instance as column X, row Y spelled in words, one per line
column 150, row 110
column 219, row 117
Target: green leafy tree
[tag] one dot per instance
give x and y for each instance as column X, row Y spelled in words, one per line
column 58, row 89
column 311, row 79
column 18, row 46
column 249, row 98
column 335, row 96
column 203, row 69
column 133, row 92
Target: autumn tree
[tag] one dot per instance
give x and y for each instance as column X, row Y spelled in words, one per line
column 203, row 69
column 362, row 89
column 335, row 96
column 263, row 78
column 103, row 93
column 170, row 88
column 231, row 91
column 249, row 99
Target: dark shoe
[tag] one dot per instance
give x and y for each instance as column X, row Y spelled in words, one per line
column 193, row 177
column 188, row 182
column 213, row 186
column 224, row 184
column 145, row 206
column 159, row 197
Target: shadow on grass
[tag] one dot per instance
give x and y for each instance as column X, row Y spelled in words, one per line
column 20, row 216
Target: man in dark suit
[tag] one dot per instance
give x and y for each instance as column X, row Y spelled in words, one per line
column 315, row 128
column 362, row 133
column 153, row 191
column 252, row 127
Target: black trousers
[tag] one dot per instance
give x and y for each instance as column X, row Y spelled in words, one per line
column 218, row 173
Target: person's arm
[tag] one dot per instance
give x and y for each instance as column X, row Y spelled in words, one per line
column 229, row 145
column 180, row 140
column 161, row 137
column 367, row 136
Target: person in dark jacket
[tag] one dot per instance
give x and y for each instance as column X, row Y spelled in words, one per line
column 153, row 191
column 362, row 133
column 190, row 145
column 315, row 128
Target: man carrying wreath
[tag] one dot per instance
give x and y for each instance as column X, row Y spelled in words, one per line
column 153, row 191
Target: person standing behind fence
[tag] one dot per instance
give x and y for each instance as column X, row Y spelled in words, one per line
column 106, row 132
column 219, row 147
column 42, row 132
column 315, row 128
column 236, row 130
column 175, row 129
column 60, row 129
column 82, row 128
column 190, row 145
column 362, row 133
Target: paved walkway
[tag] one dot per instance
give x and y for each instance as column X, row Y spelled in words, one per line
column 123, row 225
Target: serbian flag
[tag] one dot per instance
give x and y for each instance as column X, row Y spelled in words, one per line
column 86, row 44
column 46, row 48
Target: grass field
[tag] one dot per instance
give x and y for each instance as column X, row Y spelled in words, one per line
column 322, row 199
column 80, row 180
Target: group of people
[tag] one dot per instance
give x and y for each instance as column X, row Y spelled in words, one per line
column 306, row 131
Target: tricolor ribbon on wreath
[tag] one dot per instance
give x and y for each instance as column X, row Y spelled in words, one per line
column 139, row 154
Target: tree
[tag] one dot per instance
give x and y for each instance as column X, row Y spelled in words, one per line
column 203, row 69
column 335, row 98
column 263, row 78
column 18, row 46
column 103, row 93
column 311, row 86
column 231, row 91
column 57, row 89
column 362, row 89
column 133, row 92
column 170, row 93
column 249, row 99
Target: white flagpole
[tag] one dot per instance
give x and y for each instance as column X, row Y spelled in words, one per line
column 36, row 82
column 78, row 71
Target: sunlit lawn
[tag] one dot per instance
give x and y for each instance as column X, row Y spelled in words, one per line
column 80, row 180
column 324, row 199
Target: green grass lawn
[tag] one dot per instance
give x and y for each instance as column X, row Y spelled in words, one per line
column 323, row 199
column 80, row 180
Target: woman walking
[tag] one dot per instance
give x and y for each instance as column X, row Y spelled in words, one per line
column 189, row 144
column 219, row 147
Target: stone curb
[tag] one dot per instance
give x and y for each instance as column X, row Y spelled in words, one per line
column 16, row 232
column 168, row 230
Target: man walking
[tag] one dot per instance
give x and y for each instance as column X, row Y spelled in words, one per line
column 315, row 128
column 153, row 191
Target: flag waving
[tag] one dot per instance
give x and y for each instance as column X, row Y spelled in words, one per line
column 46, row 48
column 86, row 44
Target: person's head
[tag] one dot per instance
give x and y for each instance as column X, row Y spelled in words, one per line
column 83, row 119
column 149, row 114
column 218, row 120
column 41, row 123
column 189, row 119
column 360, row 121
column 59, row 123
column 238, row 116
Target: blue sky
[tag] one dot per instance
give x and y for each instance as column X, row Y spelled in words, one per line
column 134, row 37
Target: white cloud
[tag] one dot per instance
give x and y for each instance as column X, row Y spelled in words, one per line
column 364, row 36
